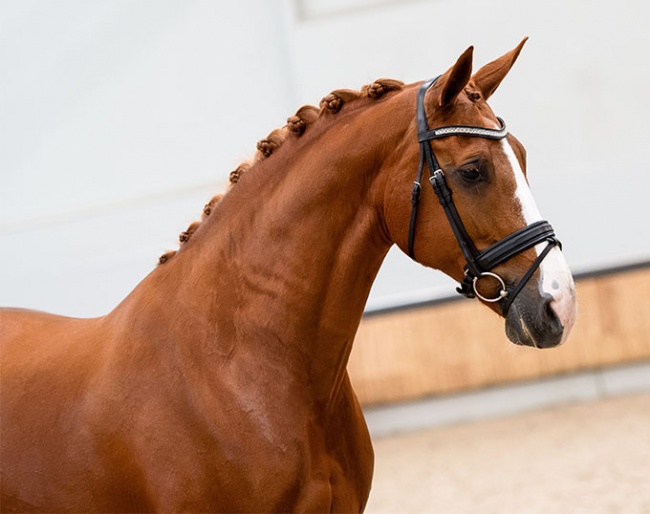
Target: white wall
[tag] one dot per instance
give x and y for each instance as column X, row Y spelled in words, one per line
column 119, row 119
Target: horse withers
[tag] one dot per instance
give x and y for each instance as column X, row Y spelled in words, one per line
column 219, row 384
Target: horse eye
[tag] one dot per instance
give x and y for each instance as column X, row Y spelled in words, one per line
column 471, row 174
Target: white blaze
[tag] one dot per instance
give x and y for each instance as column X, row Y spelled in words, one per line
column 556, row 279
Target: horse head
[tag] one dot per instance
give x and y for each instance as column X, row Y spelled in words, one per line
column 480, row 224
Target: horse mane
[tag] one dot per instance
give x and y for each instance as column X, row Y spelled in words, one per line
column 296, row 126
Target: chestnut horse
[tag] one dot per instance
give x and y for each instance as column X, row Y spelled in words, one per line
column 219, row 384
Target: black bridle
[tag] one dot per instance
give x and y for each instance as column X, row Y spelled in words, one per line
column 480, row 263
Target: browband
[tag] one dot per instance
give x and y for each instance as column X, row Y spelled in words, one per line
column 464, row 130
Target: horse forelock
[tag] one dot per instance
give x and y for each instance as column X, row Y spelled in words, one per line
column 296, row 126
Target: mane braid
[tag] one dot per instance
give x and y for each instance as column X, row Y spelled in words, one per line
column 296, row 126
column 271, row 143
column 333, row 102
column 303, row 118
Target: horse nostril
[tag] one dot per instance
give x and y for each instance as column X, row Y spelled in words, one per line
column 552, row 324
column 548, row 307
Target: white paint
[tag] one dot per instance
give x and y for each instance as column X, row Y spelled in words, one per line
column 556, row 278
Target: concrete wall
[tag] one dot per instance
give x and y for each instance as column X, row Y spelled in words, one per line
column 119, row 119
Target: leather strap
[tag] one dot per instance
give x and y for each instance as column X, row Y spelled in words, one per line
column 464, row 241
column 415, row 200
column 507, row 302
column 515, row 243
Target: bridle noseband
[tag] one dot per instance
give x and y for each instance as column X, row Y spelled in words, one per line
column 480, row 263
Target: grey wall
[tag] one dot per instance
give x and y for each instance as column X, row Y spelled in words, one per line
column 119, row 120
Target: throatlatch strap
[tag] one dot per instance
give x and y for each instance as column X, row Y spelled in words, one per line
column 415, row 200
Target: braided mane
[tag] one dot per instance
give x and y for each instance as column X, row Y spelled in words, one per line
column 296, row 126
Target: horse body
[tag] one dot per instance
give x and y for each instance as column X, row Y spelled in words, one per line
column 98, row 409
column 219, row 384
column 243, row 415
column 239, row 362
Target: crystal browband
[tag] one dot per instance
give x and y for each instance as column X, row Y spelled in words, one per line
column 462, row 130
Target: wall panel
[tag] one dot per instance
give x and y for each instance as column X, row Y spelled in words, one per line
column 461, row 345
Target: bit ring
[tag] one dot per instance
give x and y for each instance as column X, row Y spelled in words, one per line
column 502, row 292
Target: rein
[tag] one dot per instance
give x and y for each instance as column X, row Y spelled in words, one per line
column 480, row 263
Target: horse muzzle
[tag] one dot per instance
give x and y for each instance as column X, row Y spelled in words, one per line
column 535, row 320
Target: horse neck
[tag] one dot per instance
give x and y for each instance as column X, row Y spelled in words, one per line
column 285, row 263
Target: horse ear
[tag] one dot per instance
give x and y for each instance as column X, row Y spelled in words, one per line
column 488, row 78
column 456, row 78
